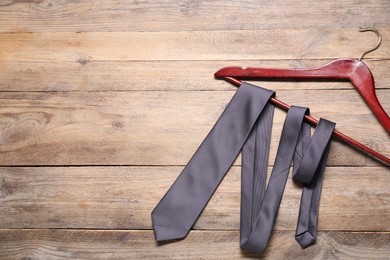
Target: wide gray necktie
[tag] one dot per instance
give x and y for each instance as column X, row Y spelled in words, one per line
column 246, row 124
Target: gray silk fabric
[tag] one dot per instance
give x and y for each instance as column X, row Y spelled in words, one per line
column 246, row 124
column 258, row 212
column 181, row 205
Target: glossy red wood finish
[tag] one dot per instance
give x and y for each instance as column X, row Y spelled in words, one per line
column 354, row 70
column 336, row 133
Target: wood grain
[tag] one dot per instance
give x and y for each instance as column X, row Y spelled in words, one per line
column 157, row 127
column 84, row 244
column 170, row 15
column 124, row 197
column 159, row 75
column 125, row 91
column 193, row 45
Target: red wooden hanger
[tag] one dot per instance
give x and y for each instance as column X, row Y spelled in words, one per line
column 354, row 70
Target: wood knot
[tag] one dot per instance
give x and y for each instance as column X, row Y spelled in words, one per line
column 19, row 126
column 117, row 125
column 84, row 60
column 4, row 188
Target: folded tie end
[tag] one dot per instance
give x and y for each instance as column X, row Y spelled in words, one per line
column 305, row 239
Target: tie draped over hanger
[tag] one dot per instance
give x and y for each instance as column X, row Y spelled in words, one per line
column 353, row 69
column 246, row 125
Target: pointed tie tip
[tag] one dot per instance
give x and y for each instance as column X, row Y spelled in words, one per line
column 165, row 234
column 165, row 228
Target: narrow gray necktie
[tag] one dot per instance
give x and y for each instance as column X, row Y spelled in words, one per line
column 246, row 124
column 259, row 209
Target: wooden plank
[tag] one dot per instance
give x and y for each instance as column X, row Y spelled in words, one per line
column 119, row 69
column 86, row 244
column 198, row 15
column 196, row 45
column 352, row 198
column 157, row 127
column 158, row 75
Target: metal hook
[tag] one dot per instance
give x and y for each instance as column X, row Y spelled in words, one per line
column 379, row 39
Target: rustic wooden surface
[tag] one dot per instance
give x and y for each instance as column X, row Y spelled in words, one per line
column 104, row 102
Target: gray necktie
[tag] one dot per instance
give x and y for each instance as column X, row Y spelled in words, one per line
column 246, row 124
column 259, row 209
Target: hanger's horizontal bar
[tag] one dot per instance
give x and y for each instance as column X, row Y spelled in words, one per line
column 338, row 134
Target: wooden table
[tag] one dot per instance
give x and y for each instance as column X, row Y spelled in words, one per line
column 104, row 102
